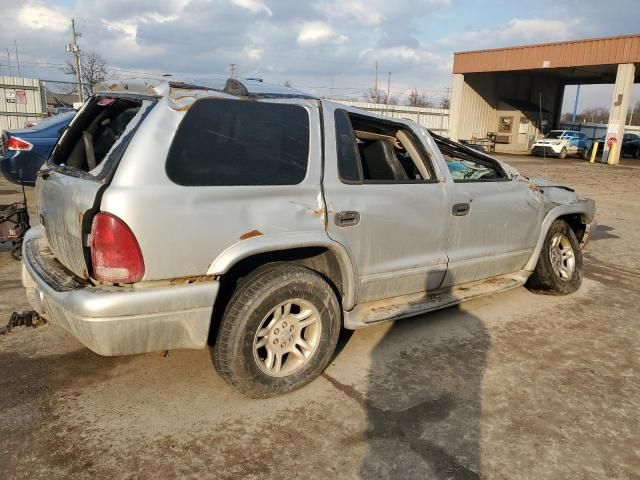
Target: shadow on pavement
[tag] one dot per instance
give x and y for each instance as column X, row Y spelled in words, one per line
column 424, row 398
column 602, row 232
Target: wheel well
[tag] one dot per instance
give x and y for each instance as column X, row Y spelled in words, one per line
column 320, row 259
column 576, row 224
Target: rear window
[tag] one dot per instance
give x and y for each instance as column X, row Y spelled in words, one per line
column 231, row 143
column 98, row 128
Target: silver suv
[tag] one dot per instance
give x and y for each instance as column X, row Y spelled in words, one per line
column 261, row 220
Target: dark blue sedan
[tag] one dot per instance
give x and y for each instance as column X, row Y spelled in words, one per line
column 23, row 151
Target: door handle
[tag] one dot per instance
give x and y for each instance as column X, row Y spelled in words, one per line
column 347, row 219
column 460, row 209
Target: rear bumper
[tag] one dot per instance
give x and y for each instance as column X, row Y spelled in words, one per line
column 17, row 166
column 116, row 320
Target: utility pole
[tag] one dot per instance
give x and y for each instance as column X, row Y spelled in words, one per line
column 388, row 88
column 9, row 63
column 73, row 48
column 15, row 44
column 575, row 105
column 375, row 83
column 232, row 70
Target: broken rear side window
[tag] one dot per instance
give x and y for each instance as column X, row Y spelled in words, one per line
column 94, row 132
column 230, row 142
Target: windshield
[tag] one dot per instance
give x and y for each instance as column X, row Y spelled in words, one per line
column 554, row 134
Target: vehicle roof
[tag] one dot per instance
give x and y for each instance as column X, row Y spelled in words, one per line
column 164, row 86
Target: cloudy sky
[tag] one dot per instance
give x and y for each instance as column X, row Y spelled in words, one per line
column 313, row 44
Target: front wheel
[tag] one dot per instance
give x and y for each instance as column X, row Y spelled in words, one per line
column 279, row 331
column 636, row 153
column 563, row 153
column 559, row 268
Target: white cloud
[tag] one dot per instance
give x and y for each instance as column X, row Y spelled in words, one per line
column 313, row 44
column 128, row 28
column 316, row 33
column 41, row 17
column 254, row 6
column 253, row 53
column 374, row 13
column 516, row 31
column 362, row 12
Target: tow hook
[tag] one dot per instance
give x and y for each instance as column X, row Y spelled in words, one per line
column 28, row 319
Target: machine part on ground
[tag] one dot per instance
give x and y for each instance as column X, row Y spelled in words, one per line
column 29, row 318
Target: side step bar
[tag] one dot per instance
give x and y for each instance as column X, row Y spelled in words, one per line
column 413, row 304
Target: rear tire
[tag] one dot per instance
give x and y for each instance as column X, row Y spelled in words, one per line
column 584, row 154
column 559, row 268
column 563, row 153
column 636, row 153
column 279, row 331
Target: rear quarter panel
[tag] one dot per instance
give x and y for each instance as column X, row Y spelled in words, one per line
column 181, row 230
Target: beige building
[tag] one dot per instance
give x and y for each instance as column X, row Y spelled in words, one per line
column 517, row 92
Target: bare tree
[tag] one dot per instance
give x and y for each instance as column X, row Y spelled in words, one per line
column 634, row 114
column 445, row 102
column 591, row 115
column 376, row 96
column 93, row 68
column 68, row 89
column 417, row 99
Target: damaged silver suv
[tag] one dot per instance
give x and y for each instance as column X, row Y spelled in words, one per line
column 260, row 221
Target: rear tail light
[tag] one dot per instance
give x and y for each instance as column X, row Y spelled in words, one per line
column 115, row 253
column 15, row 143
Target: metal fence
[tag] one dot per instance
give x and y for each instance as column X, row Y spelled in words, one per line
column 21, row 100
column 595, row 131
column 436, row 119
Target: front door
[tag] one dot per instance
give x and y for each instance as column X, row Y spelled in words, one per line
column 385, row 203
column 494, row 221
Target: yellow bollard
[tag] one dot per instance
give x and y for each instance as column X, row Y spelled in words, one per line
column 612, row 152
column 593, row 152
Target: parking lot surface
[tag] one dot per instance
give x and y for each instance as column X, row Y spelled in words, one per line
column 514, row 386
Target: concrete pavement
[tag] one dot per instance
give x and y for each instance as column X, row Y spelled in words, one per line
column 514, row 386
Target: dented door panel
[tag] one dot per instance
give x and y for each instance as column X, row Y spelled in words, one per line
column 398, row 242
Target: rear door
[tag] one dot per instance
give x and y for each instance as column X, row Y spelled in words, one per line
column 393, row 220
column 573, row 141
column 80, row 166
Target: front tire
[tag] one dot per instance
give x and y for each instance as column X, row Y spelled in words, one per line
column 563, row 153
column 279, row 331
column 559, row 268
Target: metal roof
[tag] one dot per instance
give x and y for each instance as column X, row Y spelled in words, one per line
column 574, row 53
